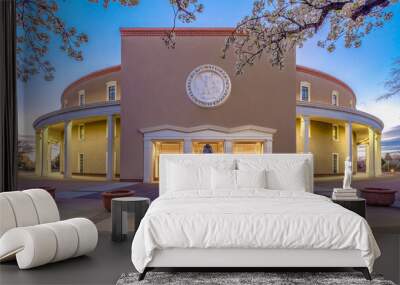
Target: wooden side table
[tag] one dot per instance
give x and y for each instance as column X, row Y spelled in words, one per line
column 357, row 205
column 120, row 207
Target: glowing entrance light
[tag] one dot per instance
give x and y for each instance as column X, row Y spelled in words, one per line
column 248, row 147
column 161, row 147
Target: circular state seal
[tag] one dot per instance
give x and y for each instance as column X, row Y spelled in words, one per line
column 208, row 86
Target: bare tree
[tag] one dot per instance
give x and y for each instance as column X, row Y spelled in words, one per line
column 392, row 85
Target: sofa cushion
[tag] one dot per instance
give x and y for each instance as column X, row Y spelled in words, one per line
column 7, row 220
column 45, row 205
column 23, row 208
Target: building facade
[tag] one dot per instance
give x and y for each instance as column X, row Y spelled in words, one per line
column 115, row 122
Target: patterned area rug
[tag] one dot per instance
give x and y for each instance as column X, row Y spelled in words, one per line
column 269, row 278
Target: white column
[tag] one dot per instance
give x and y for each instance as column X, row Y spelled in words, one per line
column 349, row 140
column 187, row 146
column 147, row 159
column 378, row 155
column 38, row 153
column 67, row 149
column 268, row 146
column 371, row 153
column 110, row 147
column 45, row 152
column 228, row 146
column 306, row 134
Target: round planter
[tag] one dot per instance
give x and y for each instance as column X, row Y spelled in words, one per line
column 378, row 196
column 108, row 196
column 50, row 189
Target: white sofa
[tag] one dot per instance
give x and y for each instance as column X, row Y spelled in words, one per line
column 31, row 230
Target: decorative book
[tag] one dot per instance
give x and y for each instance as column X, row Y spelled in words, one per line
column 344, row 194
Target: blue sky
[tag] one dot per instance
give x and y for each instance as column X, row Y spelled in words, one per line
column 364, row 69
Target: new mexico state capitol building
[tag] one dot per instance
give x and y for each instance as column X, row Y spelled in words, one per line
column 115, row 122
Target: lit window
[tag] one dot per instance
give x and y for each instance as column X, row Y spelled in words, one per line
column 335, row 98
column 81, row 95
column 112, row 91
column 81, row 132
column 305, row 91
column 335, row 132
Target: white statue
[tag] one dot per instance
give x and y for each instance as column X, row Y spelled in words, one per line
column 348, row 172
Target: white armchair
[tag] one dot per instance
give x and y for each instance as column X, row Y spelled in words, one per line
column 31, row 230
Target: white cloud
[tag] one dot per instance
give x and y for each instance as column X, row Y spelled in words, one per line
column 386, row 110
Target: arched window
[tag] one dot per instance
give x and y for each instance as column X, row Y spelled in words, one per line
column 305, row 91
column 111, row 91
column 335, row 98
column 82, row 98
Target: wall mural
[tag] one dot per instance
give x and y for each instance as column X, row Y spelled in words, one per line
column 208, row 84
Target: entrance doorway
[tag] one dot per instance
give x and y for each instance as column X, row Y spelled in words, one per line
column 248, row 147
column 362, row 158
column 208, row 146
column 55, row 151
column 160, row 147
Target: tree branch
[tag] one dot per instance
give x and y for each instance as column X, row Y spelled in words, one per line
column 284, row 24
column 392, row 85
column 367, row 7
